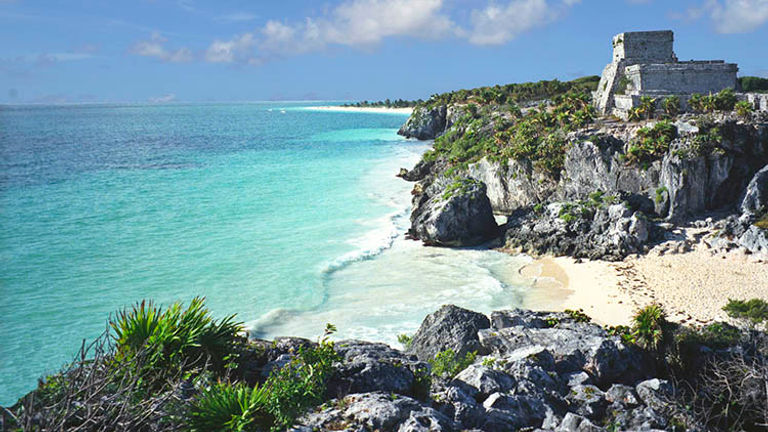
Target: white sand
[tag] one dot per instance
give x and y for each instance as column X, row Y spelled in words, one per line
column 692, row 286
column 377, row 110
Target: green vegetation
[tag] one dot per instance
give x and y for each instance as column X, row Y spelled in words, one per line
column 230, row 407
column 743, row 109
column 538, row 136
column 515, row 93
column 398, row 103
column 648, row 327
column 161, row 343
column 651, row 143
column 459, row 187
column 671, row 106
column 750, row 84
column 660, row 194
column 762, row 223
column 405, row 340
column 448, row 364
column 132, row 376
column 645, row 110
column 572, row 211
column 754, row 310
column 578, row 315
column 301, row 383
column 724, row 100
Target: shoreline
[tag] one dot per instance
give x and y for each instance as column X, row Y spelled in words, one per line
column 371, row 110
column 690, row 281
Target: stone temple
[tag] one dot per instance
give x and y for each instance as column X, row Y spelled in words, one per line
column 645, row 64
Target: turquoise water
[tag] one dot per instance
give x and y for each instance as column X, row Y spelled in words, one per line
column 286, row 216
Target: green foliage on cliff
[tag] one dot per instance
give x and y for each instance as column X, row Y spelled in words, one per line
column 751, row 84
column 515, row 93
column 460, row 186
column 539, row 135
column 725, row 100
column 651, row 143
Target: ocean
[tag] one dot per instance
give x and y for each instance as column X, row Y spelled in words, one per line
column 288, row 217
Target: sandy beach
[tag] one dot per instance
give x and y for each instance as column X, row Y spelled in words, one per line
column 692, row 285
column 377, row 110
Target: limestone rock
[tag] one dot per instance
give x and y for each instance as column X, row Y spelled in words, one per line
column 449, row 327
column 755, row 200
column 455, row 213
column 425, row 123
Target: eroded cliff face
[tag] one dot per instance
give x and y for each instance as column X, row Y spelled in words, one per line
column 707, row 167
column 679, row 185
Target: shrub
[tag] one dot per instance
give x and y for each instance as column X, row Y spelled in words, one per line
column 652, row 143
column 671, row 106
column 174, row 339
column 647, row 106
column 230, row 408
column 648, row 326
column 405, row 340
column 448, row 364
column 578, row 315
column 725, row 100
column 696, row 103
column 743, row 109
column 660, row 194
column 301, row 383
column 762, row 223
column 754, row 310
column 623, row 332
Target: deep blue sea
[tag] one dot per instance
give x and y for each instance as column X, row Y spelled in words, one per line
column 287, row 216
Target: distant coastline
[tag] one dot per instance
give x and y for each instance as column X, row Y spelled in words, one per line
column 377, row 110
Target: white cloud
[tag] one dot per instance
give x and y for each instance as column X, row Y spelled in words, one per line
column 733, row 16
column 154, row 47
column 496, row 25
column 238, row 49
column 365, row 23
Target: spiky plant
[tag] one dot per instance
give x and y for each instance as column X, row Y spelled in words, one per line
column 230, row 408
column 648, row 326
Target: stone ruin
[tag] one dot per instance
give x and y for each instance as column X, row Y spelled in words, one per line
column 645, row 64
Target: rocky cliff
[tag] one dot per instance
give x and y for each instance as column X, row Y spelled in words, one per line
column 661, row 171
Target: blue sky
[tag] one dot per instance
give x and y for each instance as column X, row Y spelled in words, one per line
column 227, row 50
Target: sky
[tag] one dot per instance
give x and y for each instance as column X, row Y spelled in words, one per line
column 157, row 51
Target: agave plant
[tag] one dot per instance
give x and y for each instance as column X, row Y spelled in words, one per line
column 160, row 342
column 231, row 407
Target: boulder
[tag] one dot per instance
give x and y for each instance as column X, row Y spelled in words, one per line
column 449, row 327
column 375, row 411
column 425, row 123
column 588, row 401
column 368, row 367
column 480, row 381
column 453, row 212
column 755, row 201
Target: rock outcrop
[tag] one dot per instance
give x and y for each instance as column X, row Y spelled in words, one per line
column 453, row 212
column 425, row 123
column 609, row 232
column 535, row 371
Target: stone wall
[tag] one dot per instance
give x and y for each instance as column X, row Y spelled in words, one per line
column 681, row 78
column 645, row 47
